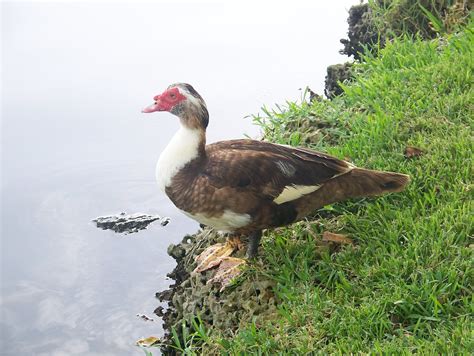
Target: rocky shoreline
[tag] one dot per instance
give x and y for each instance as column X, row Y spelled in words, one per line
column 251, row 298
column 191, row 295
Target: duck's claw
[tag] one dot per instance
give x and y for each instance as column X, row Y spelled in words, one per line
column 229, row 268
column 212, row 256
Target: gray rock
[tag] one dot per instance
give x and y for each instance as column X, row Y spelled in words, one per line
column 125, row 223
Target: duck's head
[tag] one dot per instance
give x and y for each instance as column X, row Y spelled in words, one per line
column 182, row 100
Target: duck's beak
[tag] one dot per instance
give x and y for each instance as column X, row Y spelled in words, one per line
column 156, row 106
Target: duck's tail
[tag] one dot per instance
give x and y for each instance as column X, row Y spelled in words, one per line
column 356, row 183
column 362, row 182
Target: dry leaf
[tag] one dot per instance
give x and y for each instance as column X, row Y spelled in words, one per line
column 236, row 242
column 229, row 268
column 211, row 257
column 337, row 238
column 411, row 151
column 148, row 341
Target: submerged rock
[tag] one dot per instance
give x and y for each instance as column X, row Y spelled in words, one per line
column 127, row 223
column 144, row 317
column 164, row 221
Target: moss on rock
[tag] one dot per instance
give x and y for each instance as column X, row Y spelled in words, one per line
column 337, row 73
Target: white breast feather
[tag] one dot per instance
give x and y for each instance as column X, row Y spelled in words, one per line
column 293, row 192
column 182, row 149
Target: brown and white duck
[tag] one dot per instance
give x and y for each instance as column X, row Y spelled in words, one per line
column 244, row 186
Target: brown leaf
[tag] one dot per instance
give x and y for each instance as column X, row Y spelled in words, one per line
column 148, row 341
column 229, row 268
column 236, row 242
column 337, row 238
column 411, row 151
column 211, row 257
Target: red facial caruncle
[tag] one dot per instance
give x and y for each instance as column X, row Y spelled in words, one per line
column 166, row 101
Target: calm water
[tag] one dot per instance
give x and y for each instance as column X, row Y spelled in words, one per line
column 75, row 146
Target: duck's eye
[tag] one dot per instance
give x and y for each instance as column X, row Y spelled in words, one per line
column 172, row 95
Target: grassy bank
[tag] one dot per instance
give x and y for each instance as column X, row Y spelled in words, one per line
column 405, row 284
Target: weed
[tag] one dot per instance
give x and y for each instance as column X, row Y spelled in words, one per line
column 192, row 338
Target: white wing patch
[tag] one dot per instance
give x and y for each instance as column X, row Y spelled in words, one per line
column 293, row 192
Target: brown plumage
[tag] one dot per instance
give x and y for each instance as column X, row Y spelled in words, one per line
column 244, row 186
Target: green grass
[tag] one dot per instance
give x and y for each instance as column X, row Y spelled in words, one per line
column 406, row 284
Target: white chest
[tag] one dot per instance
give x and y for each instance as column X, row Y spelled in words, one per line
column 182, row 149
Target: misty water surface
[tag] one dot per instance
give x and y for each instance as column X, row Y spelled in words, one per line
column 75, row 146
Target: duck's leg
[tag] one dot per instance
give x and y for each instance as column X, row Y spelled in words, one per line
column 254, row 241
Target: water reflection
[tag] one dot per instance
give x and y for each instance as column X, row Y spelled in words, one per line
column 74, row 282
column 75, row 146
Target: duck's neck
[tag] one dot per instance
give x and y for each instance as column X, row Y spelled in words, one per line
column 186, row 145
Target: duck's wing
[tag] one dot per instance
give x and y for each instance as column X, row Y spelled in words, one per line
column 271, row 171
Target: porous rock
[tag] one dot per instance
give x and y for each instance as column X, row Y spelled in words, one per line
column 192, row 296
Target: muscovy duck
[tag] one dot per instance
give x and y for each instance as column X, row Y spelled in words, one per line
column 244, row 186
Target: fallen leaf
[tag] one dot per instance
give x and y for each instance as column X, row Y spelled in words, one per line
column 235, row 242
column 148, row 341
column 211, row 257
column 229, row 268
column 337, row 238
column 411, row 151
